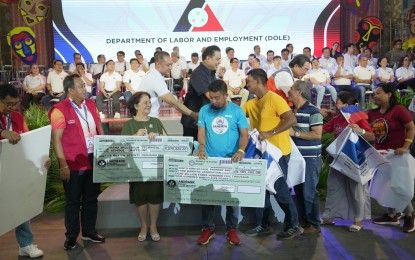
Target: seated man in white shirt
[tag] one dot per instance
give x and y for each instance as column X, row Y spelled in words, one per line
column 143, row 63
column 194, row 62
column 364, row 76
column 98, row 69
column 109, row 86
column 307, row 52
column 320, row 78
column 257, row 52
column 225, row 62
column 121, row 65
column 55, row 84
column 327, row 62
column 277, row 66
column 178, row 72
column 285, row 61
column 77, row 58
column 247, row 65
column 176, row 49
column 342, row 75
column 132, row 79
column 268, row 63
column 350, row 59
column 235, row 79
column 86, row 78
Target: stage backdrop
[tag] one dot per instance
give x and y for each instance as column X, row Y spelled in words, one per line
column 107, row 26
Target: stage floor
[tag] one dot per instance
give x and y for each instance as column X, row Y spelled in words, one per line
column 334, row 242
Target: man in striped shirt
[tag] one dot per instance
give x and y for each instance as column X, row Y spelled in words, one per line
column 306, row 135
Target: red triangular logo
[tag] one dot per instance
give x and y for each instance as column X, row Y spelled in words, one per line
column 212, row 24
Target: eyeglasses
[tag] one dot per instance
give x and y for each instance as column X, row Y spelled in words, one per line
column 10, row 105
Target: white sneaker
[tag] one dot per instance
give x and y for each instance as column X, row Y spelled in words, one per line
column 117, row 115
column 31, row 250
column 101, row 115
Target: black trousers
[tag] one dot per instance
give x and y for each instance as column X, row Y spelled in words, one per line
column 81, row 195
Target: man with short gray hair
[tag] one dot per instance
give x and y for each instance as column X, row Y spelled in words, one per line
column 306, row 134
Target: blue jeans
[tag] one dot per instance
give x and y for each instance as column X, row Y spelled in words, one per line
column 307, row 195
column 284, row 199
column 127, row 96
column 24, row 235
column 208, row 213
column 359, row 92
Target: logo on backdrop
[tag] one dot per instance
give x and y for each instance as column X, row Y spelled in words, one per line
column 198, row 17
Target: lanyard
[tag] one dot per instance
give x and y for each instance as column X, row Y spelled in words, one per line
column 8, row 123
column 80, row 114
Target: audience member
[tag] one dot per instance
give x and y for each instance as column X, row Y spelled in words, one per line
column 33, row 86
column 110, row 87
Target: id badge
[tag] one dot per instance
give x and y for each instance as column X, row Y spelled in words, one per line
column 90, row 144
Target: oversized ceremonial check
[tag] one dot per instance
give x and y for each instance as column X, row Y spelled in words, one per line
column 135, row 158
column 214, row 181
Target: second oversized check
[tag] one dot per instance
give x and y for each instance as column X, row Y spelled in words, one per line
column 135, row 158
column 214, row 181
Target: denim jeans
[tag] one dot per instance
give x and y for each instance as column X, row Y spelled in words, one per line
column 208, row 214
column 284, row 199
column 24, row 235
column 80, row 190
column 359, row 92
column 127, row 96
column 307, row 195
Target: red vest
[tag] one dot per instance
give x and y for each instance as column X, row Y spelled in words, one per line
column 73, row 139
column 17, row 123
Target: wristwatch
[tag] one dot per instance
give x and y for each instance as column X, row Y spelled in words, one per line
column 274, row 132
column 297, row 134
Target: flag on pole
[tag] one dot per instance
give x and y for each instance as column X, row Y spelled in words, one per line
column 353, row 114
column 265, row 150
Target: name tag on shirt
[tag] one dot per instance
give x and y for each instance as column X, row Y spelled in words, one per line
column 90, row 144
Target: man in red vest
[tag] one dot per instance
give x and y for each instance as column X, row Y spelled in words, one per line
column 75, row 121
column 12, row 124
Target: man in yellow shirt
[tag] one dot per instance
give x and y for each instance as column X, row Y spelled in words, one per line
column 272, row 117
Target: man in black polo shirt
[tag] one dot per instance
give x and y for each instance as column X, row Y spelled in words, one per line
column 198, row 93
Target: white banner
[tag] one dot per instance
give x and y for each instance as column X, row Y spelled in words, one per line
column 393, row 184
column 23, row 178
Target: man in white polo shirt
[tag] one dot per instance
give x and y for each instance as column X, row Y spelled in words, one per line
column 178, row 71
column 55, row 84
column 225, row 62
column 194, row 62
column 235, row 80
column 327, row 62
column 342, row 74
column 132, row 79
column 109, row 86
column 364, row 76
column 121, row 65
column 321, row 82
column 154, row 83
